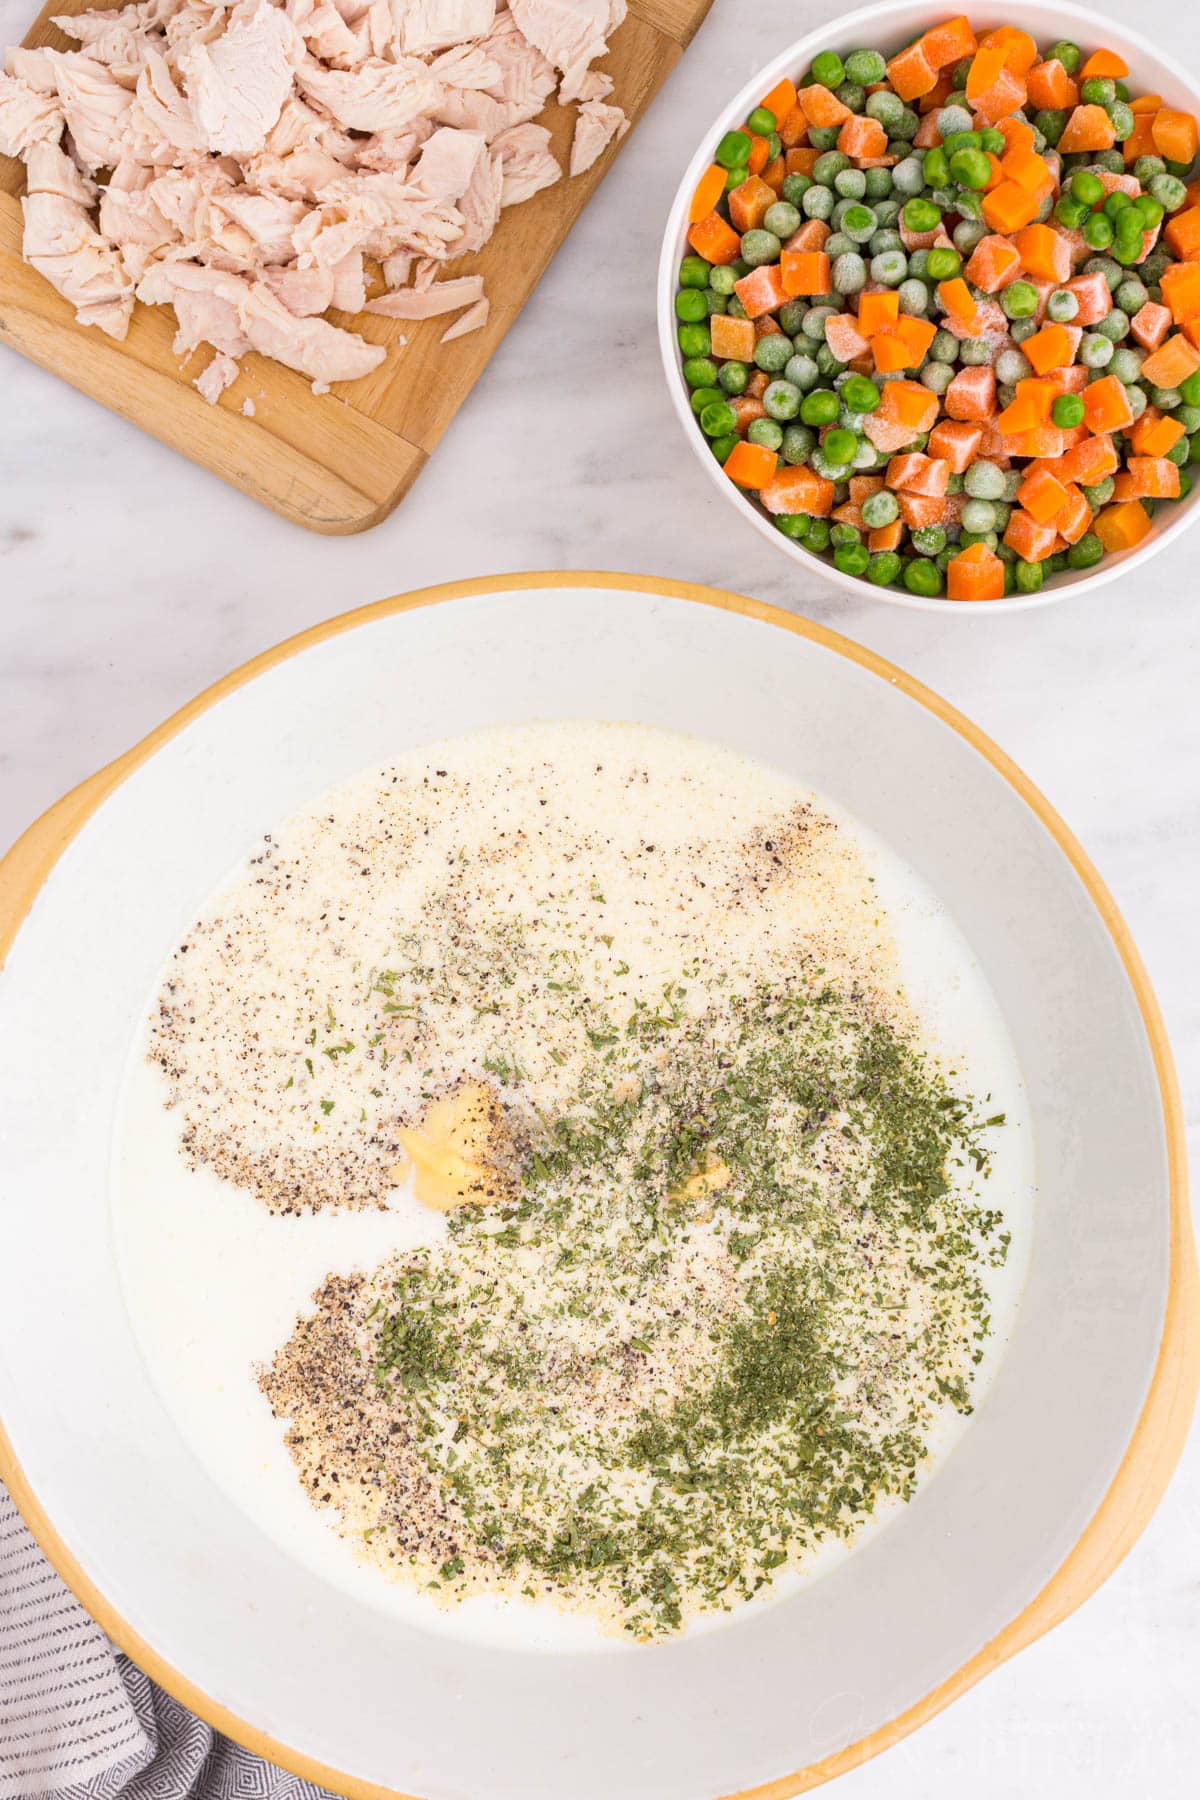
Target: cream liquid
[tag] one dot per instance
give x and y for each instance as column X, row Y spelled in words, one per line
column 214, row 1282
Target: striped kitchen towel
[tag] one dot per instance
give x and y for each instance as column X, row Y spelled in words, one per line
column 79, row 1722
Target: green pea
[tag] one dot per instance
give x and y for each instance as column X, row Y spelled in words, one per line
column 858, row 222
column 979, row 515
column 1115, row 203
column 1132, row 295
column 866, row 67
column 723, row 447
column 889, row 268
column 877, row 186
column 914, row 298
column 884, row 106
column 1168, row 190
column 880, row 509
column 1019, row 300
column 705, row 396
column 817, row 203
column 782, row 400
column 1098, row 231
column 792, row 315
column 733, row 376
column 1051, row 122
column 921, row 215
column 936, row 167
column 929, row 540
column 852, row 559
column 1178, row 453
column 1067, row 53
column 718, row 419
column 798, row 443
column 943, row 264
column 795, row 187
column 793, row 525
column 1189, row 389
column 694, row 340
column 700, row 371
column 762, row 121
column 1114, row 326
column 884, row 569
column 690, row 305
column 828, row 69
column 820, row 407
column 1097, row 90
column 765, row 432
column 1087, row 186
column 971, row 168
column 773, row 352
column 1166, row 399
column 802, row 371
column 1067, row 411
column 1122, row 119
column 1027, row 576
column 1148, row 166
column 760, row 247
column 1061, row 306
column 1152, row 211
column 851, row 184
column 923, row 577
column 831, row 163
column 852, row 94
column 1086, row 553
column 1100, row 493
column 818, row 535
column 841, row 534
column 840, row 445
column 733, row 151
column 1095, row 351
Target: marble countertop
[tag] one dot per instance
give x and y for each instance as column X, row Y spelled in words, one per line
column 129, row 580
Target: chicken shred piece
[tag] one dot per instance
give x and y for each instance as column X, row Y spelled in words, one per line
column 246, row 162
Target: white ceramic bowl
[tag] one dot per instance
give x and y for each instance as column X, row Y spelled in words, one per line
column 888, row 28
column 1076, row 1435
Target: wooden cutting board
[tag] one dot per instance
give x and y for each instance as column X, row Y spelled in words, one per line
column 338, row 462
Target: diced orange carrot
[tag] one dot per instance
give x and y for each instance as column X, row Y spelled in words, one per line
column 713, row 238
column 1074, row 516
column 1008, row 207
column 762, row 290
column 948, row 42
column 1091, row 461
column 822, row 108
column 799, row 489
column 993, row 263
column 760, row 154
column 910, row 73
column 987, row 66
column 1181, row 290
column 1050, row 86
column 955, row 444
column 1175, row 135
column 1140, row 141
column 709, row 189
column 1030, row 407
column 1155, row 433
column 801, row 161
column 1088, row 128
column 876, row 312
column 958, row 300
column 925, row 509
column 1006, row 96
column 1030, row 171
column 1040, row 441
column 937, row 96
column 764, row 326
column 1020, row 51
column 792, row 132
column 775, row 174
column 1122, row 525
column 891, row 352
column 759, row 382
column 804, row 272
column 927, row 131
column 1041, row 494
column 863, row 486
column 915, row 473
column 862, row 137
column 844, row 338
column 908, row 403
column 1043, row 252
column 781, row 99
column 750, row 465
column 812, row 235
column 1106, row 405
column 917, row 335
column 1102, row 64
column 1148, row 478
column 972, row 393
column 732, row 337
column 886, row 537
column 1182, row 234
column 748, row 203
column 976, row 573
column 1171, row 363
column 1031, row 540
column 1053, row 347
column 747, row 408
column 1151, row 322
column 849, row 514
column 1094, row 296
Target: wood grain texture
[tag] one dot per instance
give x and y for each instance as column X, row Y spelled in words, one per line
column 338, row 462
column 1154, row 1449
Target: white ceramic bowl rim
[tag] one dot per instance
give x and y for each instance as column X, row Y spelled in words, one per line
column 236, row 1628
column 891, row 25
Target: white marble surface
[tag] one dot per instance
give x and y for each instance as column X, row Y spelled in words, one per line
column 130, row 579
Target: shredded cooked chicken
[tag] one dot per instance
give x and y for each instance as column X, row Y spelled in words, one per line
column 252, row 165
